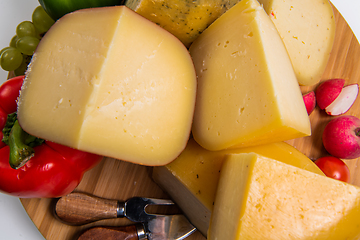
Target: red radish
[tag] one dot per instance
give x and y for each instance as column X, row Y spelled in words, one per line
column 344, row 101
column 310, row 101
column 336, row 99
column 328, row 91
column 341, row 137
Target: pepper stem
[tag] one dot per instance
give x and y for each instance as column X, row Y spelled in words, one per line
column 20, row 152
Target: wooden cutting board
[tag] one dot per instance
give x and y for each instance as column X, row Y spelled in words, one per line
column 116, row 179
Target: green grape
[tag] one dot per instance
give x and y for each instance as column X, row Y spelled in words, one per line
column 3, row 50
column 23, row 66
column 26, row 28
column 11, row 59
column 13, row 41
column 27, row 45
column 41, row 20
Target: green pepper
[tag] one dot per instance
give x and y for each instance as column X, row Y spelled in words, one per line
column 58, row 8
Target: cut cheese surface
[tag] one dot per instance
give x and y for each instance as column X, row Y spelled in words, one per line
column 261, row 198
column 191, row 180
column 307, row 29
column 247, row 90
column 108, row 81
column 186, row 19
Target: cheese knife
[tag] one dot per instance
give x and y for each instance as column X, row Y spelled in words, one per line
column 80, row 208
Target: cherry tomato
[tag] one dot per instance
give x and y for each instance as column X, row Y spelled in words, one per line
column 9, row 92
column 334, row 167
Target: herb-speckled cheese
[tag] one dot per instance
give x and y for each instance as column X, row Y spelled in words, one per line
column 186, row 19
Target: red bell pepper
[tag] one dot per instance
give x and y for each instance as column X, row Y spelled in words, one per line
column 53, row 170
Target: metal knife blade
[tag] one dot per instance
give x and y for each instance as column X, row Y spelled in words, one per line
column 169, row 227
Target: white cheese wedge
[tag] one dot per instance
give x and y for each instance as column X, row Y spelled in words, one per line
column 307, row 29
column 110, row 82
column 247, row 90
column 261, row 198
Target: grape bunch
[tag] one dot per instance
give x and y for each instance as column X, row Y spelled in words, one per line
column 17, row 55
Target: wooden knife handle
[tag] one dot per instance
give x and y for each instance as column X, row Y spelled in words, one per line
column 79, row 208
column 110, row 233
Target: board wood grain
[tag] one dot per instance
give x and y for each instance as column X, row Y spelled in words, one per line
column 120, row 180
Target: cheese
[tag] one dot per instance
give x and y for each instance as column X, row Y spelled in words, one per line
column 191, row 180
column 247, row 90
column 307, row 29
column 261, row 198
column 186, row 19
column 110, row 82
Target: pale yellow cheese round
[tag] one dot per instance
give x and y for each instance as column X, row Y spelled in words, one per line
column 307, row 28
column 110, row 82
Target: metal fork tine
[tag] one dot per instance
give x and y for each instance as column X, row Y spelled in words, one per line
column 135, row 208
column 155, row 201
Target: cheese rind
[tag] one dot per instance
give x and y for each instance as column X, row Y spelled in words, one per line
column 247, row 90
column 307, row 29
column 191, row 180
column 111, row 82
column 261, row 198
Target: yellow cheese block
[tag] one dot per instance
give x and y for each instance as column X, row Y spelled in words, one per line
column 110, row 82
column 186, row 19
column 191, row 180
column 247, row 90
column 307, row 29
column 261, row 198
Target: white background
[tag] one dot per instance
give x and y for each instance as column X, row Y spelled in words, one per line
column 14, row 221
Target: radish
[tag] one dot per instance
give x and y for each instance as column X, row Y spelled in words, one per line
column 344, row 101
column 334, row 98
column 309, row 101
column 328, row 91
column 341, row 137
